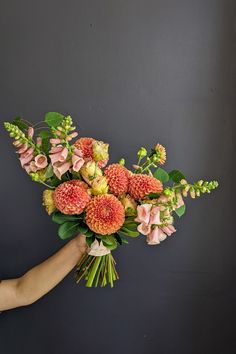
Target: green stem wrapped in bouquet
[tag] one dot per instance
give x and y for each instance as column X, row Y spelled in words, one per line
column 106, row 203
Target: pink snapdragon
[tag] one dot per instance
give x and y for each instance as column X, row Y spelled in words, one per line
column 77, row 159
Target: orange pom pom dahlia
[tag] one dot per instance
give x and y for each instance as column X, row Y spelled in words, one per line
column 118, row 178
column 142, row 185
column 105, row 214
column 71, row 197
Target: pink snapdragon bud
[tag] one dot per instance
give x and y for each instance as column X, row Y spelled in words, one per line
column 22, row 148
column 59, row 168
column 153, row 237
column 58, row 154
column 55, row 141
column 30, row 132
column 77, row 162
column 39, row 141
column 155, row 216
column 40, row 161
column 169, row 229
column 26, row 157
column 143, row 212
column 144, row 228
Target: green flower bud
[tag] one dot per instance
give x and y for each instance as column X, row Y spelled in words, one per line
column 122, row 162
column 142, row 152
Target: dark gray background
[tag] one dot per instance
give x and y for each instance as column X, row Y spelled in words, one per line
column 132, row 73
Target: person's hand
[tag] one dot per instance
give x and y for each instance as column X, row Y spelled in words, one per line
column 81, row 243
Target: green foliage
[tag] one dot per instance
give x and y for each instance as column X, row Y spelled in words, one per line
column 53, row 119
column 45, row 135
column 68, row 229
column 180, row 211
column 49, row 171
column 176, row 176
column 83, row 228
column 129, row 232
column 60, row 218
column 20, row 123
column 161, row 175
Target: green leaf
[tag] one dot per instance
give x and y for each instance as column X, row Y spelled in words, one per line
column 128, row 232
column 176, row 176
column 180, row 211
column 83, row 228
column 68, row 229
column 153, row 195
column 18, row 121
column 132, row 226
column 123, row 238
column 60, row 218
column 89, row 233
column 53, row 119
column 49, row 171
column 90, row 240
column 118, row 238
column 108, row 239
column 44, row 134
column 161, row 175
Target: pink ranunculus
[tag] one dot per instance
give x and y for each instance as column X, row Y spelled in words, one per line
column 59, row 168
column 30, row 132
column 155, row 216
column 143, row 211
column 169, row 229
column 40, row 161
column 58, row 154
column 144, row 228
column 77, row 162
column 153, row 237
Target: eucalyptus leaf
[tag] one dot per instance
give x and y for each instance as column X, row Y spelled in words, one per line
column 181, row 210
column 161, row 175
column 176, row 176
column 68, row 229
column 53, row 119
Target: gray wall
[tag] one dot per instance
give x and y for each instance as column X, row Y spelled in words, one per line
column 131, row 73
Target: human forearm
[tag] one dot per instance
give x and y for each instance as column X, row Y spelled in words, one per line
column 43, row 277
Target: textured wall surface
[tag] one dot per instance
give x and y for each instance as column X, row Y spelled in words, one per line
column 131, row 73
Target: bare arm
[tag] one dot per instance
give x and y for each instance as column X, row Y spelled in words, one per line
column 42, row 278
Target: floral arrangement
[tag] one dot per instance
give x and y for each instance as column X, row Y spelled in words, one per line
column 107, row 203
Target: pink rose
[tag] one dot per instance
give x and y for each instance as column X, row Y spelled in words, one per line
column 143, row 211
column 40, row 161
column 144, row 228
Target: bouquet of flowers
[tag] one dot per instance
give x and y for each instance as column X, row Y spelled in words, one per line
column 106, row 203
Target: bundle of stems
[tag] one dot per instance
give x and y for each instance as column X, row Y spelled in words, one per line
column 97, row 270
